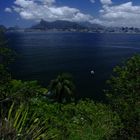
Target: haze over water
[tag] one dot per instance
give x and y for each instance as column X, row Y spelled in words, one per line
column 42, row 56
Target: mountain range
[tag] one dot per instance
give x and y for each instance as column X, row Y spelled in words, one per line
column 64, row 25
column 67, row 26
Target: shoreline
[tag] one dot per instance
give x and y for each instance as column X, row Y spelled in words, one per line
column 36, row 31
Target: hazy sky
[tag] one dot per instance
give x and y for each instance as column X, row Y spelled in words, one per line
column 106, row 12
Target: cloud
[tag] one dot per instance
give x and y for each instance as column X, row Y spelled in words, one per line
column 47, row 10
column 46, row 1
column 106, row 2
column 8, row 10
column 92, row 1
column 125, row 14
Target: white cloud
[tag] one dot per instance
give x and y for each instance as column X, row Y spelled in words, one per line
column 46, row 1
column 8, row 10
column 92, row 1
column 106, row 2
column 47, row 10
column 125, row 14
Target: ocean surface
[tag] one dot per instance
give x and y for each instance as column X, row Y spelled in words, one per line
column 42, row 56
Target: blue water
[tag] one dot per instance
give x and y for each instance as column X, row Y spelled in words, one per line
column 42, row 56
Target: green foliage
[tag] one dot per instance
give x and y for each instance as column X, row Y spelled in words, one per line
column 5, row 78
column 24, row 91
column 17, row 90
column 84, row 120
column 124, row 96
column 6, row 57
column 62, row 88
column 17, row 125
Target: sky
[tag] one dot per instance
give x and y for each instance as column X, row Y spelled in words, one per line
column 25, row 13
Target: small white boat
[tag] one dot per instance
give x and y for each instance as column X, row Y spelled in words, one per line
column 92, row 72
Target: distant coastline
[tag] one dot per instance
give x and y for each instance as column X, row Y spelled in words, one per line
column 72, row 27
column 58, row 31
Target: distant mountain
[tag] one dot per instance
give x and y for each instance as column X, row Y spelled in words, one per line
column 58, row 25
column 61, row 25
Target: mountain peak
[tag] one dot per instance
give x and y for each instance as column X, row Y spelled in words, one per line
column 58, row 24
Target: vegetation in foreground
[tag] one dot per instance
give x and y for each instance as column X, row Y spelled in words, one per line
column 31, row 112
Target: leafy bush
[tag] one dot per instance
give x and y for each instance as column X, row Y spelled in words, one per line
column 83, row 120
column 124, row 97
column 19, row 91
column 17, row 125
column 24, row 91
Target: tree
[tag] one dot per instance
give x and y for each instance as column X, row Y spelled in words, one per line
column 124, row 96
column 62, row 88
